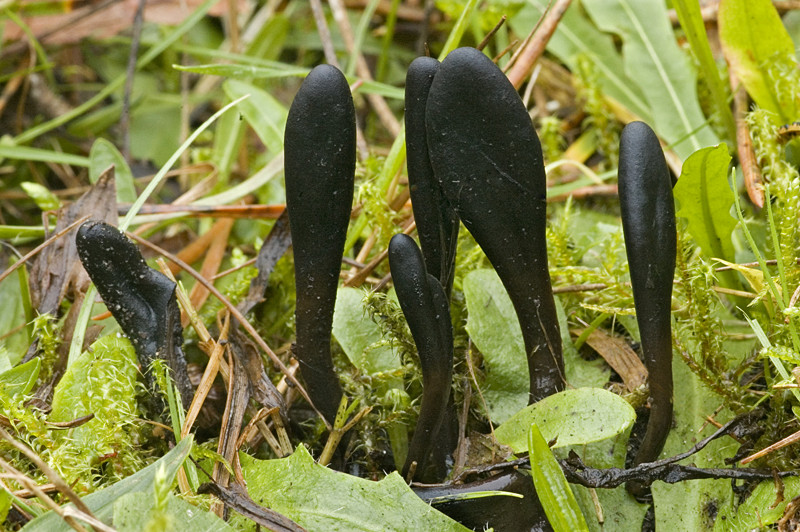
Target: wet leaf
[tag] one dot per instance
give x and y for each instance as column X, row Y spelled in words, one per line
column 318, row 498
column 573, row 417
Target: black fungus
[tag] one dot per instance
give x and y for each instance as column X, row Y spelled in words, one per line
column 320, row 158
column 427, row 312
column 488, row 160
column 141, row 299
column 437, row 221
column 648, row 222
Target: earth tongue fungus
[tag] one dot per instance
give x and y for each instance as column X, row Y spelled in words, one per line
column 427, row 312
column 141, row 299
column 488, row 161
column 437, row 221
column 320, row 158
column 648, row 222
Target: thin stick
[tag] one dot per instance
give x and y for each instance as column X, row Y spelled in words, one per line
column 535, row 47
column 489, row 35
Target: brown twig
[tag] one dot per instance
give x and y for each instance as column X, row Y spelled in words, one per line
column 747, row 157
column 534, row 48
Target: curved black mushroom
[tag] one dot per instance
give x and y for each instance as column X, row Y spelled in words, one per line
column 648, row 222
column 427, row 312
column 488, row 160
column 320, row 158
column 141, row 299
column 437, row 221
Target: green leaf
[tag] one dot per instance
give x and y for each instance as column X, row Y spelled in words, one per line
column 659, row 68
column 494, row 329
column 104, row 154
column 575, row 35
column 760, row 52
column 132, row 511
column 41, row 195
column 706, row 199
column 26, row 153
column 318, row 498
column 573, row 417
column 19, row 381
column 101, row 503
column 759, row 510
column 265, row 114
column 552, row 487
column 359, row 335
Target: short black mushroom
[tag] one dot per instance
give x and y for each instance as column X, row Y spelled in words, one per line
column 648, row 222
column 141, row 299
column 427, row 312
column 320, row 158
column 437, row 221
column 488, row 160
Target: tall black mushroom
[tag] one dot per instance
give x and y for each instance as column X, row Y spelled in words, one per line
column 427, row 312
column 320, row 158
column 488, row 160
column 437, row 221
column 648, row 222
column 141, row 299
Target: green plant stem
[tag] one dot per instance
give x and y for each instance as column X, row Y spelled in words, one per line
column 360, row 33
column 691, row 21
column 776, row 246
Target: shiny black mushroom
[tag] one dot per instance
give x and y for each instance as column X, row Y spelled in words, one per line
column 488, row 159
column 648, row 222
column 320, row 158
column 141, row 299
column 427, row 312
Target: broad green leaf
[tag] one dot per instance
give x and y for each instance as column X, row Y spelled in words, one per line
column 265, row 114
column 573, row 417
column 104, row 154
column 494, row 329
column 757, row 511
column 359, row 335
column 552, row 487
column 761, row 53
column 686, row 505
column 575, row 35
column 41, row 195
column 656, row 64
column 19, row 381
column 101, row 503
column 135, row 511
column 706, row 199
column 318, row 498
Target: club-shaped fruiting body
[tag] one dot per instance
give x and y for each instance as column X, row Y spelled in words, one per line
column 488, row 160
column 427, row 312
column 141, row 299
column 320, row 158
column 437, row 222
column 648, row 222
